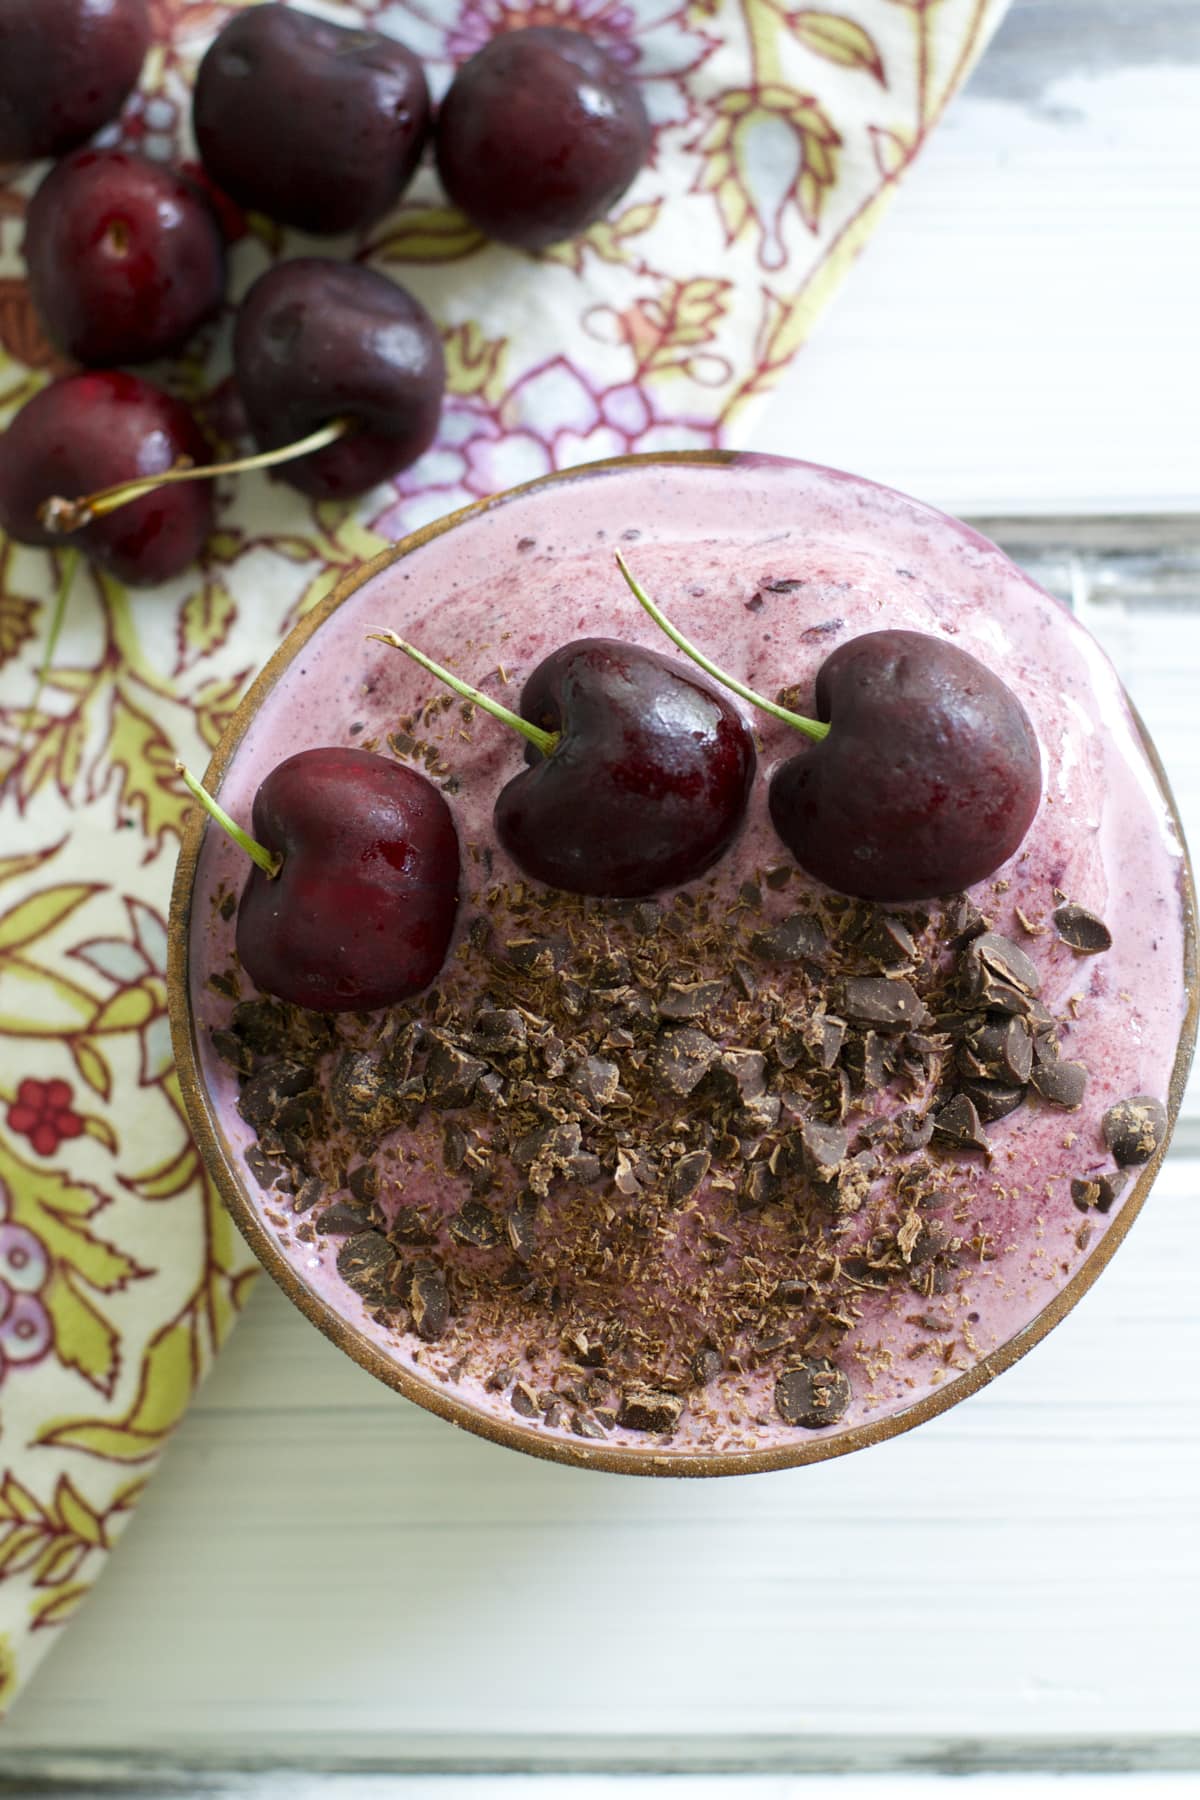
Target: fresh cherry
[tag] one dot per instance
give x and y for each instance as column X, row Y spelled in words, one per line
column 928, row 780
column 925, row 772
column 125, row 258
column 65, row 69
column 91, row 431
column 353, row 895
column 540, row 135
column 317, row 125
column 640, row 770
column 317, row 341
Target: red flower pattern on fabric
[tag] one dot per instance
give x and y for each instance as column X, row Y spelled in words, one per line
column 42, row 1113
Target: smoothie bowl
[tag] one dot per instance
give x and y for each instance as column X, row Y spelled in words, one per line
column 740, row 1172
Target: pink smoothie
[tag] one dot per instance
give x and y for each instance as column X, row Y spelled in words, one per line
column 769, row 566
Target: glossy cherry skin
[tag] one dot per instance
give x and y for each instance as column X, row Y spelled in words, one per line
column 317, row 341
column 66, row 66
column 92, row 431
column 317, row 125
column 361, row 912
column 928, row 780
column 540, row 135
column 649, row 780
column 125, row 258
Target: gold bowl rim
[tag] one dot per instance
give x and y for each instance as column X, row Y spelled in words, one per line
column 514, row 1435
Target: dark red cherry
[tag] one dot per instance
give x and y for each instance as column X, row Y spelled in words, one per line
column 317, row 125
column 125, row 258
column 91, row 431
column 317, row 341
column 540, row 135
column 647, row 784
column 65, row 69
column 362, row 909
column 928, row 780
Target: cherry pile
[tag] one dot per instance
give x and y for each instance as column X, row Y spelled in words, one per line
column 318, row 126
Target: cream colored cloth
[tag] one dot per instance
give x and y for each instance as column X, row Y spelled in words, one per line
column 780, row 133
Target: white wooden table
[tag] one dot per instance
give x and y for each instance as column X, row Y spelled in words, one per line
column 325, row 1577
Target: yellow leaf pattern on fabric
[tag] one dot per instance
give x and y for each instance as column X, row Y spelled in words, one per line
column 781, row 130
column 838, row 39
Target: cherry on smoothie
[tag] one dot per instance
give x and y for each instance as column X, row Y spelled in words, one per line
column 924, row 774
column 639, row 770
column 928, row 780
column 317, row 125
column 317, row 341
column 540, row 135
column 125, row 258
column 352, row 897
column 66, row 67
column 92, row 431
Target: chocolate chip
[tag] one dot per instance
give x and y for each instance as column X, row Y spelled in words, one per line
column 451, row 1075
column 824, row 1149
column 889, row 942
column 359, row 1096
column 1060, row 1083
column 963, row 919
column 262, row 1097
column 430, row 1301
column 705, row 1366
column 813, row 1394
column 957, row 1123
column 364, row 1263
column 687, row 1174
column 683, row 1058
column 525, row 1401
column 890, row 1004
column 231, row 1050
column 474, row 1225
column 993, row 1099
column 342, row 1220
column 1133, row 1129
column 363, row 1182
column 408, row 1226
column 649, row 1409
column 848, row 1193
column 995, row 1052
column 760, row 1185
column 499, row 1030
column 586, row 1427
column 307, row 1194
column 1082, row 930
column 798, row 938
column 688, row 999
column 264, row 1171
column 598, row 1078
column 996, row 973
column 912, row 1130
column 454, row 1147
column 521, row 1224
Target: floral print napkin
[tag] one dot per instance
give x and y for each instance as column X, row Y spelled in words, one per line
column 780, row 132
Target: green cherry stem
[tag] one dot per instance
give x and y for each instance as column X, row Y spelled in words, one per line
column 545, row 741
column 70, row 564
column 62, row 516
column 812, row 728
column 267, row 860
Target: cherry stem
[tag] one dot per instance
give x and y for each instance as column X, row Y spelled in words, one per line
column 813, row 728
column 545, row 741
column 70, row 564
column 62, row 516
column 267, row 860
